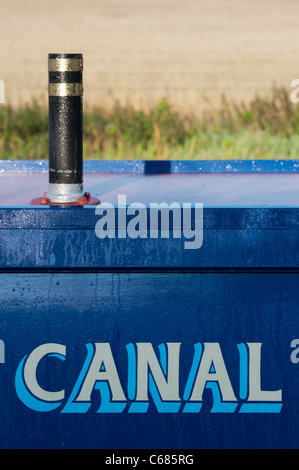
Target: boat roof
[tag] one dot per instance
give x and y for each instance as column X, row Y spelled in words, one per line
column 220, row 183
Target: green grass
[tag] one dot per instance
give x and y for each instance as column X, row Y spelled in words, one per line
column 266, row 128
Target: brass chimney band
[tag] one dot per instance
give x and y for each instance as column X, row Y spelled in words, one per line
column 65, row 65
column 65, row 89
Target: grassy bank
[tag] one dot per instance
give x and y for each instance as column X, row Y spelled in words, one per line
column 266, row 128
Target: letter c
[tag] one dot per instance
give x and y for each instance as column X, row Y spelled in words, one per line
column 28, row 389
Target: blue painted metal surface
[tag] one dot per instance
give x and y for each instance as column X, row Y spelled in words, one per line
column 142, row 342
column 153, row 166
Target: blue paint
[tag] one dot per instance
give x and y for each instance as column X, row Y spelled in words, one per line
column 61, row 284
column 193, row 372
column 218, row 406
column 261, row 408
column 70, row 406
column 232, row 238
column 106, row 406
column 74, row 308
column 243, row 392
